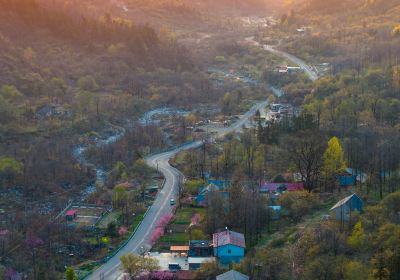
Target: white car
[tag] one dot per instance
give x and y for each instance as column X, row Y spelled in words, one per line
column 172, row 202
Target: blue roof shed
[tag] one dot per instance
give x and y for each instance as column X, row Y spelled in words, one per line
column 346, row 206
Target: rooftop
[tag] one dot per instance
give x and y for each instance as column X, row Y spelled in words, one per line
column 71, row 212
column 199, row 243
column 344, row 201
column 229, row 237
column 232, row 275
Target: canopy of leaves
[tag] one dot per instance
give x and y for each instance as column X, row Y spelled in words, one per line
column 134, row 265
column 334, row 162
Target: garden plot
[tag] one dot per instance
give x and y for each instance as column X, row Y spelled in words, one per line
column 87, row 215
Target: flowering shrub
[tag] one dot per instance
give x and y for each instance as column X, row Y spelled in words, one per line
column 11, row 274
column 122, row 231
column 195, row 220
column 162, row 275
column 160, row 228
column 164, row 220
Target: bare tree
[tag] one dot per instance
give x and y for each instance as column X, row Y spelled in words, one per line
column 305, row 150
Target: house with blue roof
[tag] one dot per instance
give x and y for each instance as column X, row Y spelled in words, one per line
column 214, row 186
column 345, row 207
column 221, row 184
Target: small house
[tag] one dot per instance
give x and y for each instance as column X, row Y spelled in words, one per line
column 71, row 215
column 214, row 186
column 346, row 206
column 347, row 180
column 229, row 246
column 200, row 248
column 359, row 176
column 232, row 275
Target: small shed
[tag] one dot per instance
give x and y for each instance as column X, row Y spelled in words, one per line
column 232, row 275
column 200, row 248
column 346, row 206
column 179, row 249
column 71, row 214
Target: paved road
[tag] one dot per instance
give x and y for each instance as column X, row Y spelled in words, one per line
column 111, row 270
column 313, row 76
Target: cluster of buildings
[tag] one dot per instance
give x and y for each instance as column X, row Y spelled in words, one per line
column 279, row 112
column 288, row 69
column 226, row 246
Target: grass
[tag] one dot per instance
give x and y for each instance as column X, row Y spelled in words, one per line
column 90, row 266
column 110, row 217
column 183, row 216
column 179, row 238
column 136, row 221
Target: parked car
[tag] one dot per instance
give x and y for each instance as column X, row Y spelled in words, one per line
column 174, row 267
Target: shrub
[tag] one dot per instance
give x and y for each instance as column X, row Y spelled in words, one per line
column 298, row 203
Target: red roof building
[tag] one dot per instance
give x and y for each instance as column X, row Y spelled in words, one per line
column 71, row 214
column 228, row 237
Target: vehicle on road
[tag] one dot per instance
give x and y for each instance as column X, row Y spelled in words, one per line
column 174, row 267
column 172, row 202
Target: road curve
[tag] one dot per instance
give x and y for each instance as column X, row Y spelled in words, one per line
column 111, row 269
column 312, row 75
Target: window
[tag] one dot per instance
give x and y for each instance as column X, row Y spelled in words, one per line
column 229, row 251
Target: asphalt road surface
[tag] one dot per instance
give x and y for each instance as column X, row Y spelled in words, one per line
column 140, row 241
column 312, row 75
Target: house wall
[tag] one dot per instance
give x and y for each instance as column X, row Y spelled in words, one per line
column 342, row 213
column 356, row 204
column 229, row 253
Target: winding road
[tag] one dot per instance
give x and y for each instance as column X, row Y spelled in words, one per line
column 140, row 240
column 312, row 74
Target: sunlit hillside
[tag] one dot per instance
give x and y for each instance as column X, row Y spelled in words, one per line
column 199, row 139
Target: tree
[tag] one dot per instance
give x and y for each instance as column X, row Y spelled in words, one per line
column 208, row 271
column 358, row 239
column 120, row 196
column 8, row 112
column 396, row 30
column 87, row 83
column 10, row 168
column 298, row 203
column 70, row 274
column 58, row 87
column 269, row 264
column 305, row 151
column 134, row 265
column 112, row 229
column 334, row 162
column 355, row 270
column 11, row 93
column 192, row 186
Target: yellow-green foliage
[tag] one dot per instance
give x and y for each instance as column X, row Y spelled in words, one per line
column 334, row 162
column 396, row 30
column 192, row 186
column 298, row 203
column 354, row 270
column 357, row 239
column 8, row 164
